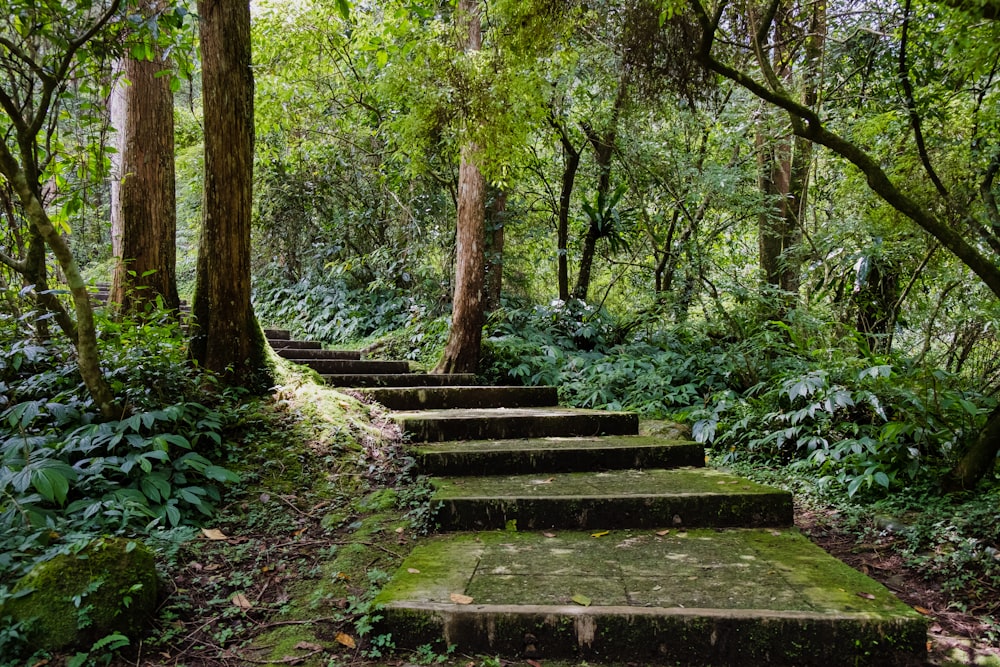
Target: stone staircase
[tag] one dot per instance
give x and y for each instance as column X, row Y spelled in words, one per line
column 566, row 535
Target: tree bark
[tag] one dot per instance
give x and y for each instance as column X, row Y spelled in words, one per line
column 496, row 214
column 461, row 352
column 571, row 155
column 226, row 336
column 143, row 206
column 979, row 460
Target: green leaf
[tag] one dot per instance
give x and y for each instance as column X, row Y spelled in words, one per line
column 344, row 7
column 220, row 474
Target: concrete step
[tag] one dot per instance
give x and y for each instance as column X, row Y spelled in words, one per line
column 438, row 398
column 688, row 497
column 696, row 597
column 279, row 344
column 277, row 334
column 359, row 380
column 534, row 455
column 501, row 423
column 302, row 356
column 354, row 366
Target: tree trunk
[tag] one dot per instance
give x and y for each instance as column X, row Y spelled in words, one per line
column 496, row 214
column 604, row 148
column 226, row 337
column 572, row 164
column 143, row 210
column 979, row 460
column 461, row 352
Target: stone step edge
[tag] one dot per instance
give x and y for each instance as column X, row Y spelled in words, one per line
column 692, row 636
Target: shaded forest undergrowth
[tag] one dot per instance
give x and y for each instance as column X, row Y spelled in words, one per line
column 275, row 520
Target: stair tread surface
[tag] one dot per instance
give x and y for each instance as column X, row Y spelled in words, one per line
column 463, row 396
column 606, row 484
column 736, row 596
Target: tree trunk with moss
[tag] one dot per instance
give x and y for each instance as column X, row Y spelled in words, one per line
column 226, row 337
column 144, row 211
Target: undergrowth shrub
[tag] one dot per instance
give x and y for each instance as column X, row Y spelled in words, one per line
column 66, row 474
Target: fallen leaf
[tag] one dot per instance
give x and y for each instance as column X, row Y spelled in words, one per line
column 241, row 601
column 581, row 600
column 776, row 533
column 345, row 639
column 923, row 610
column 534, row 663
column 663, row 533
column 400, row 530
column 342, row 576
column 413, row 570
column 867, row 596
column 548, row 534
column 299, row 531
column 213, row 534
column 307, row 646
column 601, row 534
column 678, row 520
column 458, row 598
column 264, row 497
column 543, row 481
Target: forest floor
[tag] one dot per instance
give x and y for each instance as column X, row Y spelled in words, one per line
column 285, row 574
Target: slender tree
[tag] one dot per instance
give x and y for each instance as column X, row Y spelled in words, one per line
column 461, row 353
column 226, row 336
column 39, row 57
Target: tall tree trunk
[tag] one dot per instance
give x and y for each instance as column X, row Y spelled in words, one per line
column 571, row 157
column 143, row 207
column 226, row 337
column 604, row 150
column 496, row 221
column 979, row 460
column 784, row 163
column 461, row 353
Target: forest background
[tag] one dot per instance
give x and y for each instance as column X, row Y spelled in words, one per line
column 775, row 222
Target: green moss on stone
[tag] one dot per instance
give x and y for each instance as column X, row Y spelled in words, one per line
column 75, row 599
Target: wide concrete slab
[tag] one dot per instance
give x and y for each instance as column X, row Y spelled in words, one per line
column 300, row 355
column 358, row 380
column 439, row 398
column 531, row 455
column 665, row 596
column 693, row 497
column 496, row 423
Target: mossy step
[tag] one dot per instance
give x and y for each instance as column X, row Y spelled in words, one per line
column 691, row 497
column 277, row 334
column 437, row 398
column 501, row 423
column 354, row 366
column 282, row 344
column 359, row 380
column 695, row 597
column 532, row 455
column 300, row 355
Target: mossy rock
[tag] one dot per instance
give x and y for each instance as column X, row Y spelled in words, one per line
column 109, row 586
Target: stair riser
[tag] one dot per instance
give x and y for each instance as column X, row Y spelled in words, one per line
column 278, row 334
column 438, row 398
column 341, row 366
column 591, row 513
column 302, row 356
column 279, row 344
column 676, row 636
column 359, row 380
column 519, row 426
column 565, row 460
